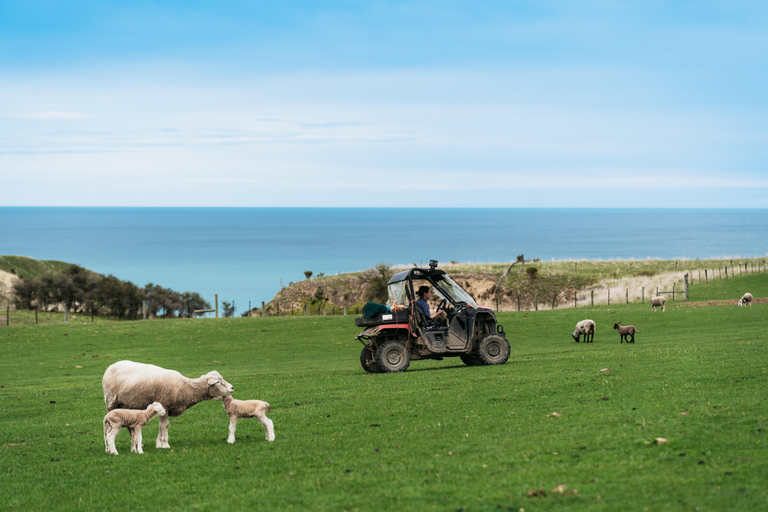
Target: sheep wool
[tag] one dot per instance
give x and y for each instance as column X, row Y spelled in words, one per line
column 247, row 409
column 626, row 332
column 132, row 419
column 587, row 328
column 131, row 385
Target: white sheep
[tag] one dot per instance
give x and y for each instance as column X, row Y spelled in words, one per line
column 132, row 419
column 587, row 328
column 656, row 301
column 247, row 409
column 130, row 385
column 746, row 299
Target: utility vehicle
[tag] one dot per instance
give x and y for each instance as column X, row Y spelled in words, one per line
column 402, row 332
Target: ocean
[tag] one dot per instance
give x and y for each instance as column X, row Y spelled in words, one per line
column 245, row 254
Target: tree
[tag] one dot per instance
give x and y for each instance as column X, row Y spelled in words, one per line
column 308, row 273
column 192, row 301
column 228, row 309
column 532, row 271
column 375, row 280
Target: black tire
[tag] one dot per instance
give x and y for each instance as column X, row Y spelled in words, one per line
column 493, row 349
column 368, row 362
column 470, row 360
column 392, row 357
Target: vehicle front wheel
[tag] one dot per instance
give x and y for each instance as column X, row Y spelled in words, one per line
column 368, row 362
column 493, row 349
column 392, row 357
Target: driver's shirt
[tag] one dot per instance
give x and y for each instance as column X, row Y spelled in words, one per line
column 424, row 305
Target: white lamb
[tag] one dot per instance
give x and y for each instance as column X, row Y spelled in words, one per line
column 130, row 385
column 587, row 328
column 746, row 299
column 247, row 409
column 132, row 419
column 656, row 301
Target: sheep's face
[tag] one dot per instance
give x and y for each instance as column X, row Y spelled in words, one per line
column 616, row 326
column 217, row 386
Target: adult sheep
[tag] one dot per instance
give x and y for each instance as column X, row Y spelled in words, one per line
column 130, row 385
column 746, row 300
column 657, row 301
column 587, row 328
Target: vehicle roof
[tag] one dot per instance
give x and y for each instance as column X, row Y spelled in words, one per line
column 416, row 273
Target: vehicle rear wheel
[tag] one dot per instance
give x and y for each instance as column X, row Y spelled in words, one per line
column 393, row 356
column 470, row 360
column 368, row 362
column 493, row 349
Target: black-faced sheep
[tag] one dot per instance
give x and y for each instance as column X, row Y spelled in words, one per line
column 247, row 409
column 130, row 385
column 587, row 328
column 657, row 301
column 626, row 330
column 745, row 300
column 132, row 419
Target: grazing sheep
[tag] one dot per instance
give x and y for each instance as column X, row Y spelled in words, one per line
column 746, row 300
column 626, row 330
column 134, row 420
column 130, row 385
column 657, row 301
column 587, row 328
column 247, row 409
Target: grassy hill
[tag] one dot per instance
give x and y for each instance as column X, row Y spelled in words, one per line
column 29, row 268
column 679, row 422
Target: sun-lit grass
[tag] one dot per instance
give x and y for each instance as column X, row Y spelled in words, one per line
column 440, row 436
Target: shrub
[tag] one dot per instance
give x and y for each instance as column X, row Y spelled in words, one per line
column 532, row 271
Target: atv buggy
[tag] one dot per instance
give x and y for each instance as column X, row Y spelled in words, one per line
column 402, row 332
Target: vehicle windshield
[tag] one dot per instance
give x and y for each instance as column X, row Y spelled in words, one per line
column 444, row 288
column 451, row 290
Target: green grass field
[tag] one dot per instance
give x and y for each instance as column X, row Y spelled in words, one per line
column 441, row 436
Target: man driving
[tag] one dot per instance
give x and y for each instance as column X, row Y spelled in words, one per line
column 425, row 294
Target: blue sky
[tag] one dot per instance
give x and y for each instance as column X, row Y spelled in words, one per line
column 451, row 103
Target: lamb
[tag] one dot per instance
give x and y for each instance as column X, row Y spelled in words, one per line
column 657, row 301
column 247, row 409
column 587, row 328
column 626, row 330
column 746, row 299
column 133, row 420
column 130, row 385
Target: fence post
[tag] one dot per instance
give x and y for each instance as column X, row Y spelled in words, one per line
column 627, row 295
column 686, row 286
column 593, row 298
column 574, row 300
column 673, row 292
column 305, row 309
column 262, row 308
column 726, row 272
column 216, row 299
column 536, row 302
column 706, row 277
column 553, row 301
column 609, row 296
column 642, row 294
column 7, row 316
column 746, row 268
column 518, row 302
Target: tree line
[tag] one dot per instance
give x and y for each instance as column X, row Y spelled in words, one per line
column 79, row 289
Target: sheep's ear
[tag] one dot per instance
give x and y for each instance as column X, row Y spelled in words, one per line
column 212, row 382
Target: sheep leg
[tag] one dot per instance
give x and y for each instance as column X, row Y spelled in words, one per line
column 269, row 428
column 162, row 433
column 136, row 440
column 109, row 438
column 232, row 425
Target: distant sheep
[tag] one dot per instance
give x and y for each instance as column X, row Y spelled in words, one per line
column 745, row 300
column 134, row 420
column 247, row 409
column 130, row 385
column 624, row 331
column 657, row 301
column 587, row 328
